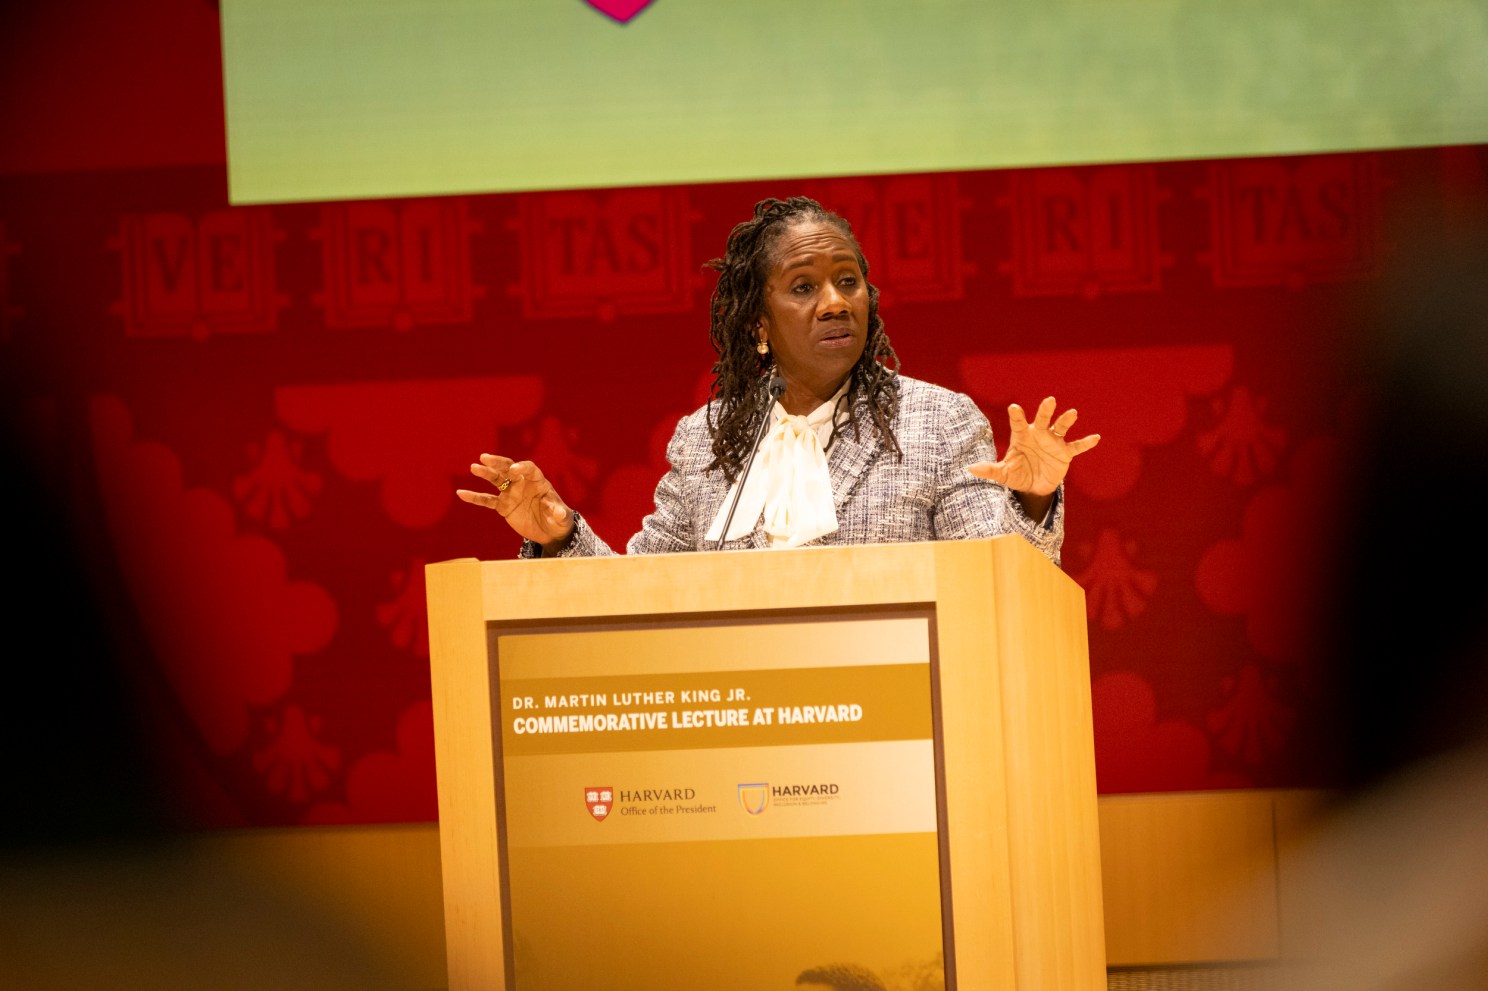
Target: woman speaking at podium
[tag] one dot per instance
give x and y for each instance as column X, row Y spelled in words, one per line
column 811, row 436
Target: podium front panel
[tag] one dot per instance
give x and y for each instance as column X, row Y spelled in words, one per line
column 720, row 804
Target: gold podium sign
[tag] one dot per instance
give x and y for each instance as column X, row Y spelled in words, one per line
column 708, row 776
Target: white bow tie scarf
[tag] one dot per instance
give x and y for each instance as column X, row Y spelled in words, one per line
column 789, row 482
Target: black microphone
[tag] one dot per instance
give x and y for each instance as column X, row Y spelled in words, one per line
column 773, row 392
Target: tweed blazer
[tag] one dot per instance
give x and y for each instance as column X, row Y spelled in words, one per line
column 880, row 498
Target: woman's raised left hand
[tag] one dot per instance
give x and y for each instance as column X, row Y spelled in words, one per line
column 1038, row 454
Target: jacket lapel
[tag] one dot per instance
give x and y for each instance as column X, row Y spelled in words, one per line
column 850, row 457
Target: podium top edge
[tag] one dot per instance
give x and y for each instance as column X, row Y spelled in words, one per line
column 921, row 547
column 919, row 572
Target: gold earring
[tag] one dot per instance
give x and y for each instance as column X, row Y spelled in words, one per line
column 762, row 348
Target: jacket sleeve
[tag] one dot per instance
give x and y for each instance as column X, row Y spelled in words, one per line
column 585, row 543
column 673, row 525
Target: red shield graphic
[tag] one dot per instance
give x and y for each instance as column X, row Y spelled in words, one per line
column 597, row 799
column 620, row 10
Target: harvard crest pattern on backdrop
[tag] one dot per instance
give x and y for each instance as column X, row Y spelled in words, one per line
column 277, row 402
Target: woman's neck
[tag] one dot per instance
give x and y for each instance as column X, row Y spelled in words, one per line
column 800, row 399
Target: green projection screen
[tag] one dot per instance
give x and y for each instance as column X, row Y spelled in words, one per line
column 328, row 99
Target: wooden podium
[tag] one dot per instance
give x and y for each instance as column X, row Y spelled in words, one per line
column 1015, row 791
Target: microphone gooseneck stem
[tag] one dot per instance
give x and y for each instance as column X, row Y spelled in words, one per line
column 773, row 392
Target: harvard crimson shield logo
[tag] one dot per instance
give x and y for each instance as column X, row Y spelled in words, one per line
column 598, row 801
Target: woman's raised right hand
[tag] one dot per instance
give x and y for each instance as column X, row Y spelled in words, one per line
column 524, row 498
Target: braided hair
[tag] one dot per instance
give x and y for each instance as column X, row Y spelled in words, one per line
column 738, row 302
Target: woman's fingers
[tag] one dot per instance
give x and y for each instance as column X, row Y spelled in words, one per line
column 1044, row 418
column 1044, row 413
column 558, row 518
column 493, row 468
column 1083, row 444
column 486, row 500
column 501, row 473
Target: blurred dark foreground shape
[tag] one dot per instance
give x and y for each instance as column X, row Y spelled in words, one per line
column 1394, row 892
column 102, row 885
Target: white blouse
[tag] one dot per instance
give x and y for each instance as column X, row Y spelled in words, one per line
column 788, row 481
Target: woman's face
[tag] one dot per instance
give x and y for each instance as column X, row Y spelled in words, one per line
column 816, row 312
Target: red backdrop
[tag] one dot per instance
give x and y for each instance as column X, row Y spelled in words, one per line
column 255, row 417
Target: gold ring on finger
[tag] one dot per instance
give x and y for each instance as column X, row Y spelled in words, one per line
column 503, row 485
